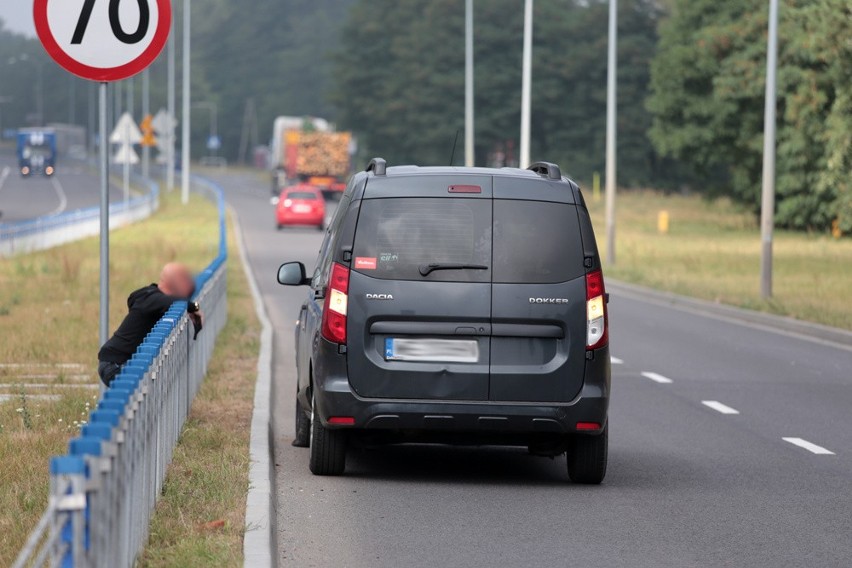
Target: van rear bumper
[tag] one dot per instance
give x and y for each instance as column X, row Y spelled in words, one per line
column 335, row 398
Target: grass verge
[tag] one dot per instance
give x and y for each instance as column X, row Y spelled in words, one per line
column 200, row 518
column 49, row 330
column 712, row 251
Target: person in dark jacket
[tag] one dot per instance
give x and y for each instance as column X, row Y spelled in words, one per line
column 145, row 308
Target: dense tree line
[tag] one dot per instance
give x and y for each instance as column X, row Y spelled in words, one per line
column 691, row 84
column 707, row 98
column 401, row 86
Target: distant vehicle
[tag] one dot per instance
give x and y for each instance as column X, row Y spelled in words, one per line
column 308, row 150
column 300, row 205
column 455, row 305
column 36, row 152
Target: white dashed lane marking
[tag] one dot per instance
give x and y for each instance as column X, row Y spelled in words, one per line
column 616, row 361
column 811, row 447
column 657, row 378
column 719, row 407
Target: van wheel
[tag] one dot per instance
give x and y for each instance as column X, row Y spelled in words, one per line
column 328, row 447
column 587, row 457
column 303, row 427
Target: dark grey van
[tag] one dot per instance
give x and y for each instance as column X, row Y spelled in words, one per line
column 455, row 305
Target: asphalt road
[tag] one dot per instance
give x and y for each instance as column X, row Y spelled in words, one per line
column 73, row 187
column 700, row 472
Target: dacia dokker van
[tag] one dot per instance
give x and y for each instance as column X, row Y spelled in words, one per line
column 455, row 305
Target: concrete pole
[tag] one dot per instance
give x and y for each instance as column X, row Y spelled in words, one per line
column 767, row 207
column 187, row 93
column 172, row 110
column 526, row 87
column 611, row 130
column 469, row 155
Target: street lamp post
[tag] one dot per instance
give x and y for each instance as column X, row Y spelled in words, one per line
column 611, row 83
column 187, row 93
column 469, row 157
column 767, row 207
column 526, row 84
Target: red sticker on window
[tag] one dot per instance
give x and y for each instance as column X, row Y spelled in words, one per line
column 365, row 263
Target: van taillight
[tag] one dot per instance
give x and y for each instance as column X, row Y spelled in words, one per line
column 336, row 301
column 596, row 317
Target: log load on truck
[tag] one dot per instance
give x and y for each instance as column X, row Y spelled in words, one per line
column 308, row 150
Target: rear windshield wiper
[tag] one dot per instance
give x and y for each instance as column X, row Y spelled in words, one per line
column 427, row 269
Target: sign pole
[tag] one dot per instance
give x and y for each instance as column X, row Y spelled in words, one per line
column 146, row 110
column 126, row 167
column 104, row 167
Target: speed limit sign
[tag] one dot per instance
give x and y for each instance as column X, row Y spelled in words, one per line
column 103, row 40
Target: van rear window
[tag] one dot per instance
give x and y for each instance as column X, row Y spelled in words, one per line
column 395, row 237
column 531, row 242
column 536, row 242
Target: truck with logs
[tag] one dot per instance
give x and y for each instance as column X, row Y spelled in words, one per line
column 309, row 150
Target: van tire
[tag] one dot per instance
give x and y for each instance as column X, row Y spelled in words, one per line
column 587, row 457
column 303, row 427
column 328, row 449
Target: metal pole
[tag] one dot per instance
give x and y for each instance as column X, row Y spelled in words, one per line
column 469, row 156
column 104, row 167
column 146, row 110
column 172, row 110
column 187, row 91
column 526, row 87
column 72, row 100
column 40, row 94
column 767, row 207
column 128, row 149
column 131, row 104
column 611, row 130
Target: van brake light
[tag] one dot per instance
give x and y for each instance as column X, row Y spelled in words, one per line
column 336, row 304
column 596, row 315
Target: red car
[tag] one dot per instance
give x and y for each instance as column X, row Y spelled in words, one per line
column 301, row 205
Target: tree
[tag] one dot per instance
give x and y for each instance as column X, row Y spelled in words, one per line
column 707, row 91
column 400, row 87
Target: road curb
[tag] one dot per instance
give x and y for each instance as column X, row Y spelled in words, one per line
column 259, row 544
column 769, row 322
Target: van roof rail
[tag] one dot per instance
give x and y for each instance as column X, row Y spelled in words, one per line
column 551, row 171
column 378, row 166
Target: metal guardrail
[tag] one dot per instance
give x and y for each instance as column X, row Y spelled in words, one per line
column 45, row 232
column 103, row 492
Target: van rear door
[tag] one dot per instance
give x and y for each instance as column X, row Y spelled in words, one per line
column 420, row 289
column 538, row 301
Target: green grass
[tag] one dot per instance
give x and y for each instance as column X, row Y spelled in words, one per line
column 48, row 317
column 712, row 251
column 200, row 518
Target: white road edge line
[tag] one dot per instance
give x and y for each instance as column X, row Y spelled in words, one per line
column 719, row 407
column 811, row 447
column 616, row 361
column 3, row 175
column 259, row 541
column 657, row 378
column 60, row 193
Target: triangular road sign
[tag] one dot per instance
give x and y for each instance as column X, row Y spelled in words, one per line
column 126, row 131
column 126, row 155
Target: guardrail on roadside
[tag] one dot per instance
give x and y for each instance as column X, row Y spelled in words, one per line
column 45, row 232
column 103, row 492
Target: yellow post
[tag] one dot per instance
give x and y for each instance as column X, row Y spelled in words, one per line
column 596, row 186
column 663, row 222
column 835, row 229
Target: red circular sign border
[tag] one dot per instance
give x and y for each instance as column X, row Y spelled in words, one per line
column 104, row 74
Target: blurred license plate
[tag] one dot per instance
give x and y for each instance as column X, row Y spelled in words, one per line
column 301, row 209
column 438, row 350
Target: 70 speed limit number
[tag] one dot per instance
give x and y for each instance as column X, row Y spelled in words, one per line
column 103, row 40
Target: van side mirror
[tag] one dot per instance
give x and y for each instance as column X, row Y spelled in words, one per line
column 293, row 274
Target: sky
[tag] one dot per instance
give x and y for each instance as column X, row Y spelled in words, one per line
column 18, row 15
